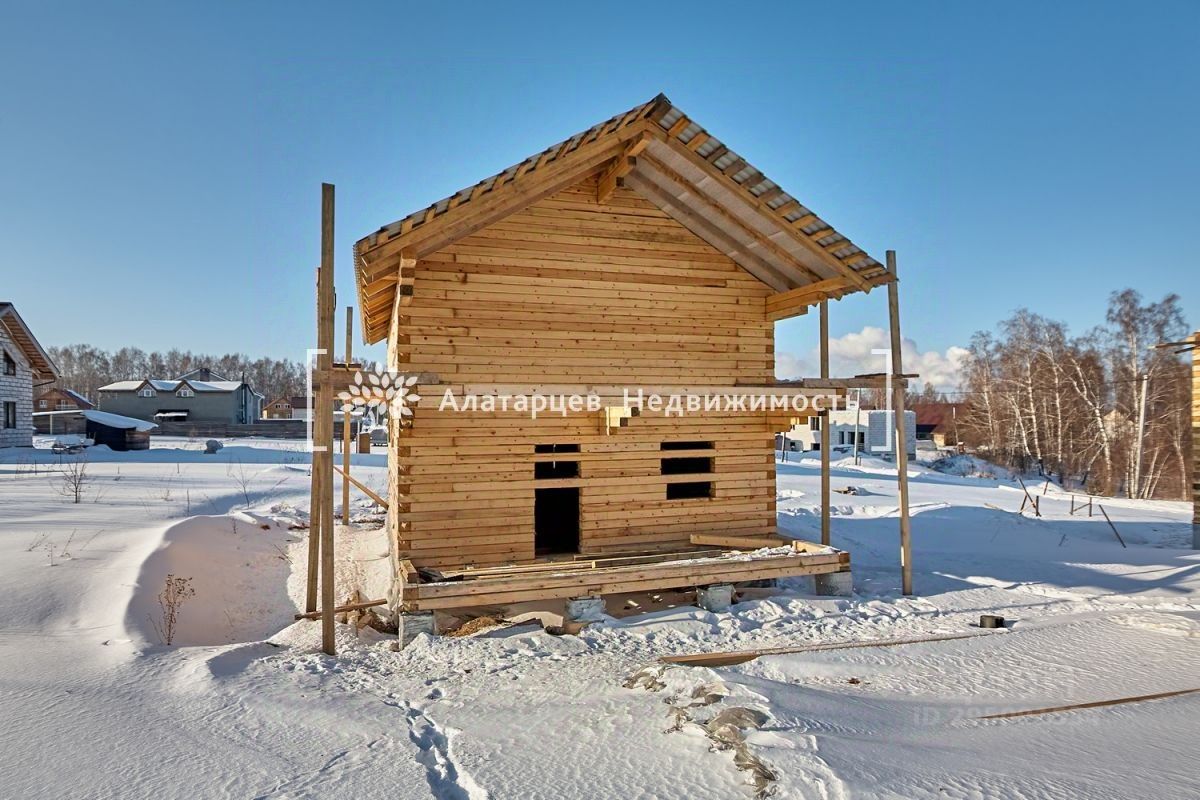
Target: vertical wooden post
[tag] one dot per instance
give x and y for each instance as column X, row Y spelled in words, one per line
column 323, row 409
column 825, row 420
column 1196, row 441
column 346, row 424
column 898, row 387
column 314, row 470
column 1144, row 382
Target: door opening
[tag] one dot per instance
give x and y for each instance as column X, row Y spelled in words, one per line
column 556, row 520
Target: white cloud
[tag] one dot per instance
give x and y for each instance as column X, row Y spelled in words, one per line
column 851, row 355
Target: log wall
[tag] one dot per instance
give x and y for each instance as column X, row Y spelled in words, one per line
column 570, row 291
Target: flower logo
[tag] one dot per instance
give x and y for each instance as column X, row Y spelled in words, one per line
column 381, row 389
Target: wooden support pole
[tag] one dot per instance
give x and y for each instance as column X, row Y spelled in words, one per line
column 323, row 418
column 1196, row 441
column 901, row 428
column 314, row 506
column 1144, row 380
column 346, row 424
column 1114, row 527
column 825, row 418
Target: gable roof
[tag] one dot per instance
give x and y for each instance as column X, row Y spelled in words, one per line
column 171, row 386
column 68, row 394
column 39, row 361
column 659, row 152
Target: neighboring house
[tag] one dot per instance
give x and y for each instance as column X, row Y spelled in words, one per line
column 874, row 428
column 25, row 365
column 56, row 399
column 55, row 411
column 188, row 398
column 297, row 407
column 279, row 408
column 302, row 407
column 938, row 423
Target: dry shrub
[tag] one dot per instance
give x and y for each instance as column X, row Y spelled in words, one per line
column 175, row 591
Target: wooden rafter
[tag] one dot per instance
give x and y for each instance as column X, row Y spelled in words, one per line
column 481, row 212
column 660, row 172
column 751, row 262
column 724, row 177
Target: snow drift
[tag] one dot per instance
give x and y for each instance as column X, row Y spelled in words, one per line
column 238, row 566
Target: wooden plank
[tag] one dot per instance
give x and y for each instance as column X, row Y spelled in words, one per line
column 725, row 659
column 606, row 581
column 737, row 542
column 361, row 487
column 1141, row 698
column 343, row 609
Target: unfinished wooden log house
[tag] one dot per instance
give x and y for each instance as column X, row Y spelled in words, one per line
column 641, row 253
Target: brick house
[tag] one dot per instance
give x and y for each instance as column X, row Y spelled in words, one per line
column 25, row 365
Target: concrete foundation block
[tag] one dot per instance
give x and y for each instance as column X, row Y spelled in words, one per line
column 583, row 609
column 834, row 584
column 716, row 598
column 412, row 625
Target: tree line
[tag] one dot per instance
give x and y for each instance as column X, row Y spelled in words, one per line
column 85, row 369
column 1038, row 397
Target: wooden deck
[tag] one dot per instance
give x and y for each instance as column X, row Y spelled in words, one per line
column 738, row 562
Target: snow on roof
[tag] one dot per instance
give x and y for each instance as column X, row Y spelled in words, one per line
column 118, row 421
column 170, row 386
column 76, row 396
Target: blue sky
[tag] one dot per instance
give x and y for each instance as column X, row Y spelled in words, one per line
column 161, row 162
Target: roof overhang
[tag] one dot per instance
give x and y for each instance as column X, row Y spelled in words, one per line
column 39, row 360
column 657, row 151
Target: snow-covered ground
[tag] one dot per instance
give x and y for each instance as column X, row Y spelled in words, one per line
column 244, row 706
